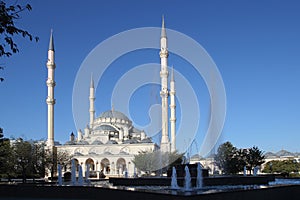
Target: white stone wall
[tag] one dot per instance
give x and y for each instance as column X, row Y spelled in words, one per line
column 118, row 156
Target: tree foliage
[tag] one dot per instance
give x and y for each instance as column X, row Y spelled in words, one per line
column 5, row 156
column 254, row 157
column 28, row 159
column 52, row 158
column 282, row 166
column 227, row 159
column 23, row 158
column 232, row 160
column 9, row 14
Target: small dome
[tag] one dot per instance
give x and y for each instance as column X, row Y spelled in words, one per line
column 97, row 142
column 114, row 114
column 104, row 128
column 78, row 154
column 130, row 141
column 111, row 142
column 135, row 130
column 70, row 143
column 82, row 142
column 146, row 140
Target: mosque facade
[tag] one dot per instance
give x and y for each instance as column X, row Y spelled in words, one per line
column 108, row 144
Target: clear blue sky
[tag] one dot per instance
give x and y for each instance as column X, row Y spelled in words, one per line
column 255, row 45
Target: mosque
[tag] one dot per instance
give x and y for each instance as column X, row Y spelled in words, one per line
column 110, row 141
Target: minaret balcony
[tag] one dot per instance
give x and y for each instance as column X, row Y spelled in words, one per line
column 50, row 101
column 172, row 106
column 50, row 65
column 50, row 83
column 164, row 73
column 163, row 53
column 172, row 92
column 164, row 93
column 173, row 119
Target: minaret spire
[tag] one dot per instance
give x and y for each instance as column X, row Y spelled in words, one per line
column 50, row 84
column 163, row 28
column 165, row 144
column 173, row 112
column 92, row 102
column 51, row 43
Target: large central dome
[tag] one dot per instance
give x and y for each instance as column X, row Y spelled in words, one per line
column 114, row 114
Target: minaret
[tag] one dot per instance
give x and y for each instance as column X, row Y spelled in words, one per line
column 50, row 98
column 173, row 112
column 164, row 145
column 92, row 102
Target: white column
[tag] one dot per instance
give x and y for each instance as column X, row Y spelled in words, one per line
column 50, row 98
column 165, row 145
column 173, row 113
column 79, row 135
column 92, row 103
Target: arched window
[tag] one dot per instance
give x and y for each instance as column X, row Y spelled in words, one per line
column 91, row 164
column 105, row 166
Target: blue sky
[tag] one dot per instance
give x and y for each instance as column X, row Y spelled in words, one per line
column 254, row 44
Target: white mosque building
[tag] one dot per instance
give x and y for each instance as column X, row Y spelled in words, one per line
column 110, row 141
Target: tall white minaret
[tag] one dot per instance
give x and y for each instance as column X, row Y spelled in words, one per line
column 173, row 112
column 165, row 144
column 50, row 98
column 92, row 102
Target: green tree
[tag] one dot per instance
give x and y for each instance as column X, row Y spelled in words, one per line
column 23, row 158
column 241, row 156
column 38, row 158
column 52, row 158
column 9, row 14
column 228, row 159
column 282, row 166
column 254, row 158
column 1, row 134
column 232, row 160
column 6, row 155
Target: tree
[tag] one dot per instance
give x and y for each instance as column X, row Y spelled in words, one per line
column 282, row 166
column 28, row 159
column 1, row 134
column 254, row 158
column 52, row 158
column 6, row 163
column 232, row 160
column 241, row 155
column 9, row 14
column 228, row 159
column 38, row 159
column 23, row 158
